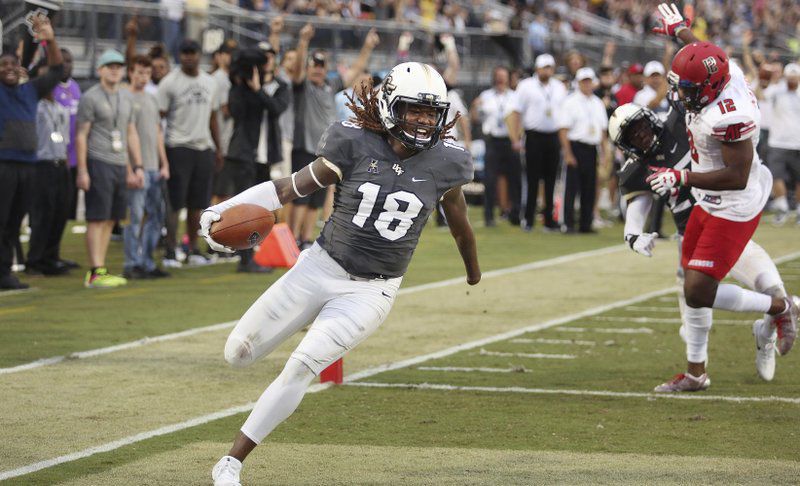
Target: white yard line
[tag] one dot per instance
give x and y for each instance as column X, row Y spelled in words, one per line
column 204, row 419
column 594, row 393
column 667, row 320
column 550, row 262
column 118, row 347
column 527, row 355
column 472, row 370
column 668, row 310
column 607, row 330
column 575, row 342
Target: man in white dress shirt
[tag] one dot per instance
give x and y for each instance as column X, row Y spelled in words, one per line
column 582, row 126
column 502, row 170
column 537, row 101
column 783, row 100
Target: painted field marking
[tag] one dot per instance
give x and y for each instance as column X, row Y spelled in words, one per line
column 594, row 393
column 16, row 310
column 576, row 342
column 9, row 293
column 607, row 330
column 473, row 370
column 668, row 310
column 667, row 320
column 527, row 355
column 225, row 325
column 119, row 347
column 204, row 419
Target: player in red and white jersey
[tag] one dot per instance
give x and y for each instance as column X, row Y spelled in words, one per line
column 731, row 188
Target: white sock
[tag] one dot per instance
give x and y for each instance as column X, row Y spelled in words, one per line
column 734, row 298
column 278, row 401
column 780, row 204
column 697, row 325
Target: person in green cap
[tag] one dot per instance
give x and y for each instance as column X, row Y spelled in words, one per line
column 109, row 162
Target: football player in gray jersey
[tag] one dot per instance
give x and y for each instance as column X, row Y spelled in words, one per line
column 390, row 164
column 648, row 143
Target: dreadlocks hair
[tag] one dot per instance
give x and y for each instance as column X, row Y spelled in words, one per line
column 366, row 114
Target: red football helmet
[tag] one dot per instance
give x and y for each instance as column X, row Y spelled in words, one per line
column 699, row 71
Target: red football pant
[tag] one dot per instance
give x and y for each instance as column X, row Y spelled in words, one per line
column 713, row 245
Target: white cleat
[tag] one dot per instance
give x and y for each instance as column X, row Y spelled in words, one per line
column 786, row 323
column 226, row 472
column 684, row 382
column 765, row 350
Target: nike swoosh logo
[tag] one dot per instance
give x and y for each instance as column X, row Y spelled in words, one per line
column 385, row 294
column 674, row 148
column 414, row 179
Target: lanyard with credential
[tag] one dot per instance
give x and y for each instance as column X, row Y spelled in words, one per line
column 56, row 120
column 116, row 134
column 546, row 92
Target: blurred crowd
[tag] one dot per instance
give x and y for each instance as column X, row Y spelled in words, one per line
column 160, row 137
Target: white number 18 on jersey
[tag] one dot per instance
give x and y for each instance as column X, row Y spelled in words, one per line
column 391, row 223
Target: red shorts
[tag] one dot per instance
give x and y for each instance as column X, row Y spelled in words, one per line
column 713, row 245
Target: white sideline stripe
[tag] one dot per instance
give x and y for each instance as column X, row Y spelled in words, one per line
column 553, row 341
column 527, row 355
column 596, row 393
column 667, row 320
column 470, row 370
column 117, row 347
column 668, row 310
column 519, row 268
column 608, row 330
column 319, row 387
column 215, row 327
column 8, row 293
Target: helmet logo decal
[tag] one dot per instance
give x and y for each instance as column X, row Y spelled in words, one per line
column 388, row 86
column 711, row 64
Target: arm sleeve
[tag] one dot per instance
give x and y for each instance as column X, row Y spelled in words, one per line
column 636, row 214
column 517, row 104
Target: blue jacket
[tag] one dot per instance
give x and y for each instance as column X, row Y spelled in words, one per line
column 18, row 139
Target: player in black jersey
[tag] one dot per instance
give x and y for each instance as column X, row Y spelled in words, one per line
column 391, row 165
column 648, row 143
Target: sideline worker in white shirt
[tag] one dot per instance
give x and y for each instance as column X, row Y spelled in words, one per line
column 654, row 93
column 784, row 144
column 582, row 129
column 535, row 109
column 502, row 171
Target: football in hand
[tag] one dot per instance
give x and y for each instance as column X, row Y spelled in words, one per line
column 242, row 227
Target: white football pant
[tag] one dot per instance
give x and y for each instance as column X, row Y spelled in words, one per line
column 342, row 310
column 755, row 270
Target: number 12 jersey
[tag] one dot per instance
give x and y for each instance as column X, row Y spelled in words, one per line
column 733, row 116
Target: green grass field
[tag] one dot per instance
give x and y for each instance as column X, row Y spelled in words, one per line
column 541, row 374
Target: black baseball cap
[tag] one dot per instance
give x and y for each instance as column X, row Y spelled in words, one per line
column 189, row 45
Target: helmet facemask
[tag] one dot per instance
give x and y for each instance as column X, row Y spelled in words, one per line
column 413, row 134
column 640, row 136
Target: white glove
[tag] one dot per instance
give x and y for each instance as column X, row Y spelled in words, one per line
column 671, row 22
column 448, row 41
column 666, row 182
column 642, row 244
column 206, row 219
